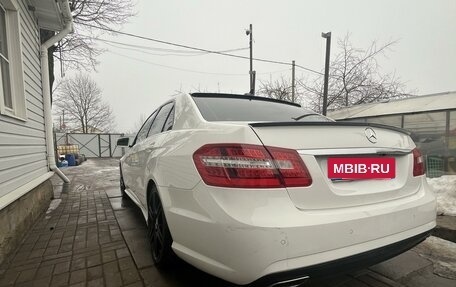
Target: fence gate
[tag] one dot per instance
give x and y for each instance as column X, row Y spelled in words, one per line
column 92, row 145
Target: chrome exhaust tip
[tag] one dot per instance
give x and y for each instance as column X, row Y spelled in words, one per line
column 291, row 283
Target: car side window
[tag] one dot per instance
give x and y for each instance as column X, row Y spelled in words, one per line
column 169, row 121
column 160, row 119
column 142, row 134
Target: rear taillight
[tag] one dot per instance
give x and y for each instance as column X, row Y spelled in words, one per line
column 250, row 166
column 418, row 162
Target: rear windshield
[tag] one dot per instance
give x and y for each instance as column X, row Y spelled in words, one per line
column 249, row 109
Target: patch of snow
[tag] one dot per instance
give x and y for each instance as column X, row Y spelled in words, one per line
column 53, row 205
column 445, row 190
column 441, row 253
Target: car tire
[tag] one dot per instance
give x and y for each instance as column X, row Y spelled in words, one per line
column 158, row 232
column 122, row 184
column 122, row 188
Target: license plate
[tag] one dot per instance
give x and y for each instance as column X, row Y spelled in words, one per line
column 361, row 168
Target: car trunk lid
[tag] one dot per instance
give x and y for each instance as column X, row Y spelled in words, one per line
column 319, row 142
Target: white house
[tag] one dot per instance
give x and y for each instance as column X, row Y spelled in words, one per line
column 26, row 146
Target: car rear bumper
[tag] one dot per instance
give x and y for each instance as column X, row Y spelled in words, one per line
column 242, row 236
column 341, row 265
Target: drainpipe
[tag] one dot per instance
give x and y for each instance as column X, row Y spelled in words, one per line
column 68, row 28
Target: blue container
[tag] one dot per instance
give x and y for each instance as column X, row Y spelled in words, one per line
column 71, row 160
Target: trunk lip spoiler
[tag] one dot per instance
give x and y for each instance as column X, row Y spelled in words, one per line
column 353, row 124
column 355, row 151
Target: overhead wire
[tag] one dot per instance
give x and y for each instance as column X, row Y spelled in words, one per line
column 199, row 49
column 188, row 70
column 140, row 48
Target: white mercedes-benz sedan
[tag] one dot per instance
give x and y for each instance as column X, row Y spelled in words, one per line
column 262, row 191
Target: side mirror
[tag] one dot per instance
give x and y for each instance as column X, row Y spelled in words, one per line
column 123, row 141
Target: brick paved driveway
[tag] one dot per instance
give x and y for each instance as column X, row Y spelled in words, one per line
column 95, row 238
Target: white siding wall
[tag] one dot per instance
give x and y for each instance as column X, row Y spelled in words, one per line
column 22, row 144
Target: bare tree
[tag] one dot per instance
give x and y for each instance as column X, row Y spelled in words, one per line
column 82, row 101
column 279, row 89
column 79, row 50
column 355, row 78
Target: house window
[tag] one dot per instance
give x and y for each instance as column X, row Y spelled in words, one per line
column 12, row 95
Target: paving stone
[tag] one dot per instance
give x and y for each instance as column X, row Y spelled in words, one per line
column 108, row 256
column 24, row 284
column 37, row 253
column 9, row 277
column 60, row 279
column 136, row 284
column 26, row 275
column 69, row 233
column 58, row 260
column 51, row 251
column 23, row 255
column 94, row 260
column 78, row 264
column 113, row 280
column 44, row 271
column 44, row 237
column 113, row 192
column 401, row 265
column 62, row 267
column 130, row 276
column 110, row 268
column 31, row 239
column 126, row 263
column 58, row 235
column 68, row 240
column 123, row 252
column 27, row 247
column 65, row 248
column 373, row 282
column 40, row 245
column 83, row 252
column 113, row 246
column 94, row 272
column 425, row 278
column 96, row 282
column 78, row 276
column 139, row 247
column 21, row 266
column 42, row 282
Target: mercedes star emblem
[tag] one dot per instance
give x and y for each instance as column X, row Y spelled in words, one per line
column 370, row 135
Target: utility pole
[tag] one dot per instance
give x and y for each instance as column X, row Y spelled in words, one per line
column 327, row 36
column 251, row 72
column 293, row 66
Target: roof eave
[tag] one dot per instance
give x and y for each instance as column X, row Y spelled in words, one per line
column 49, row 14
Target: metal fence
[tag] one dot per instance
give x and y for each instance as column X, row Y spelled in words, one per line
column 92, row 145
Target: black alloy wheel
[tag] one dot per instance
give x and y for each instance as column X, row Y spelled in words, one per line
column 158, row 231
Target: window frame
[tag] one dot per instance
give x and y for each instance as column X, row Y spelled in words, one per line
column 2, row 94
column 152, row 119
column 166, row 118
column 16, row 74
